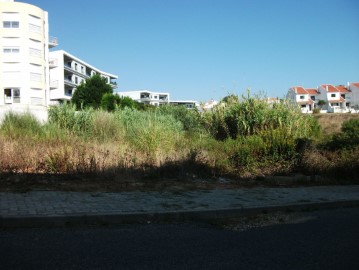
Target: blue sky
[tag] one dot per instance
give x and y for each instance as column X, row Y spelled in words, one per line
column 205, row 49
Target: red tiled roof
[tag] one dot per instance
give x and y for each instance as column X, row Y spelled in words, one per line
column 312, row 91
column 356, row 84
column 342, row 89
column 299, row 90
column 331, row 88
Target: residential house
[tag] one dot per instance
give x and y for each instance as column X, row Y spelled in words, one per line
column 354, row 95
column 307, row 99
column 337, row 98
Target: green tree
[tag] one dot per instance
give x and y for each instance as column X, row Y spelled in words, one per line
column 90, row 92
column 321, row 103
column 109, row 102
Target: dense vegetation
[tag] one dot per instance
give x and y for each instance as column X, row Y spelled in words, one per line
column 241, row 137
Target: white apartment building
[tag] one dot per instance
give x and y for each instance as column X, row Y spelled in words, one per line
column 67, row 72
column 30, row 75
column 147, row 97
column 189, row 104
column 24, row 44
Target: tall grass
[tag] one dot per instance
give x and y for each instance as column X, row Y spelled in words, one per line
column 150, row 132
column 239, row 137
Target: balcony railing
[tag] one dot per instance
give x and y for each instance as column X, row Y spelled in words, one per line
column 53, row 42
column 53, row 63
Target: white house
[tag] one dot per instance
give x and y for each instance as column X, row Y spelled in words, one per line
column 337, row 98
column 305, row 98
column 147, row 97
column 354, row 94
column 67, row 72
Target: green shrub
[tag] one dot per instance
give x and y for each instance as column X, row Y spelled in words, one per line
column 190, row 118
column 149, row 131
column 109, row 102
column 21, row 125
column 348, row 138
column 75, row 122
column 253, row 115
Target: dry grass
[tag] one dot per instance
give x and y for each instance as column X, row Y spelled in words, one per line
column 331, row 123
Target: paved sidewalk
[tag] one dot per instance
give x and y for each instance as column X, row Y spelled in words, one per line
column 56, row 208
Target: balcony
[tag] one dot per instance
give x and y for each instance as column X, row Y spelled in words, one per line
column 54, row 84
column 70, row 82
column 53, row 42
column 113, row 84
column 53, row 63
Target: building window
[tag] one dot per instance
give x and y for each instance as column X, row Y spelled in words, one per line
column 332, row 95
column 11, row 50
column 76, row 66
column 82, row 70
column 301, row 97
column 76, row 79
column 10, row 24
column 312, row 97
column 12, row 95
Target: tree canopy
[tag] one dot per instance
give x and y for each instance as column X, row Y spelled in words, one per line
column 90, row 92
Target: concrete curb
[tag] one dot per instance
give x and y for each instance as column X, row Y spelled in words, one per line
column 105, row 219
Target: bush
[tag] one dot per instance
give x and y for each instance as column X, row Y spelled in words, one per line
column 348, row 138
column 21, row 125
column 149, row 131
column 109, row 102
column 253, row 115
column 190, row 118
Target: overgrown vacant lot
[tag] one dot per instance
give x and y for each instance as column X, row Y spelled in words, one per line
column 240, row 140
column 331, row 123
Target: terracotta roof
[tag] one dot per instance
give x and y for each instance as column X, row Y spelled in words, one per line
column 356, row 84
column 312, row 91
column 342, row 89
column 299, row 90
column 331, row 88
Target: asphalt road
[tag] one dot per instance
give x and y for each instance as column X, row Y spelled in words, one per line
column 323, row 240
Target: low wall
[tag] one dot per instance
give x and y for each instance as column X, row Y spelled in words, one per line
column 41, row 113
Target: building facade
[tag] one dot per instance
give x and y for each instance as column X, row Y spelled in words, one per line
column 67, row 72
column 24, row 43
column 147, row 97
column 326, row 97
column 30, row 74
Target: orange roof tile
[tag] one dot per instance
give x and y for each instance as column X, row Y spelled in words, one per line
column 355, row 84
column 342, row 89
column 299, row 90
column 331, row 88
column 312, row 91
